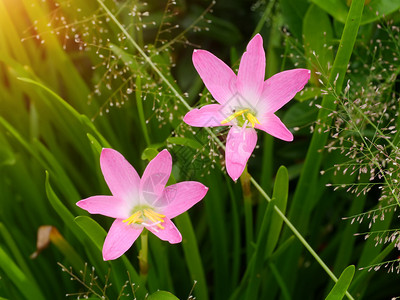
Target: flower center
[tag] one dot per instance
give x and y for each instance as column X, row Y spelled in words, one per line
column 242, row 116
column 142, row 215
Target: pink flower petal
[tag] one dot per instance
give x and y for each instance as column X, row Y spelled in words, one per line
column 240, row 144
column 155, row 177
column 273, row 125
column 122, row 179
column 170, row 233
column 178, row 198
column 219, row 79
column 208, row 116
column 109, row 206
column 281, row 88
column 251, row 72
column 119, row 239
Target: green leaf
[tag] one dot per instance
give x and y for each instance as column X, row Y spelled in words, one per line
column 308, row 93
column 92, row 229
column 341, row 286
column 300, row 115
column 184, row 142
column 149, row 153
column 293, row 13
column 303, row 201
column 62, row 211
column 280, row 194
column 257, row 262
column 336, row 8
column 97, row 147
column 127, row 58
column 317, row 36
column 162, row 295
column 374, row 9
column 17, row 276
column 7, row 156
column 67, row 108
column 139, row 104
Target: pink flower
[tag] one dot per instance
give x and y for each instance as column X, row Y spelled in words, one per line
column 245, row 100
column 138, row 203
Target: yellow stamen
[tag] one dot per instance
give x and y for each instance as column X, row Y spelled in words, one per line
column 156, row 214
column 253, row 120
column 234, row 115
column 137, row 217
column 155, row 217
column 134, row 218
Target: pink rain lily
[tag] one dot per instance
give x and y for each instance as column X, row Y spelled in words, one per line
column 245, row 100
column 138, row 203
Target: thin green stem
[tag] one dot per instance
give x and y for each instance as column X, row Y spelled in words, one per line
column 266, row 14
column 180, row 35
column 298, row 235
column 144, row 55
column 139, row 105
column 154, row 67
column 143, row 254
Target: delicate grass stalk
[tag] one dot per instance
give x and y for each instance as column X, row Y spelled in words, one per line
column 154, row 67
column 182, row 34
column 248, row 213
column 139, row 104
column 302, row 204
column 298, row 235
column 77, row 89
column 65, row 248
column 304, row 200
column 264, row 17
column 361, row 277
column 143, row 54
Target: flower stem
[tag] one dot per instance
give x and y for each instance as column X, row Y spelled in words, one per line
column 298, row 235
column 143, row 254
column 248, row 213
